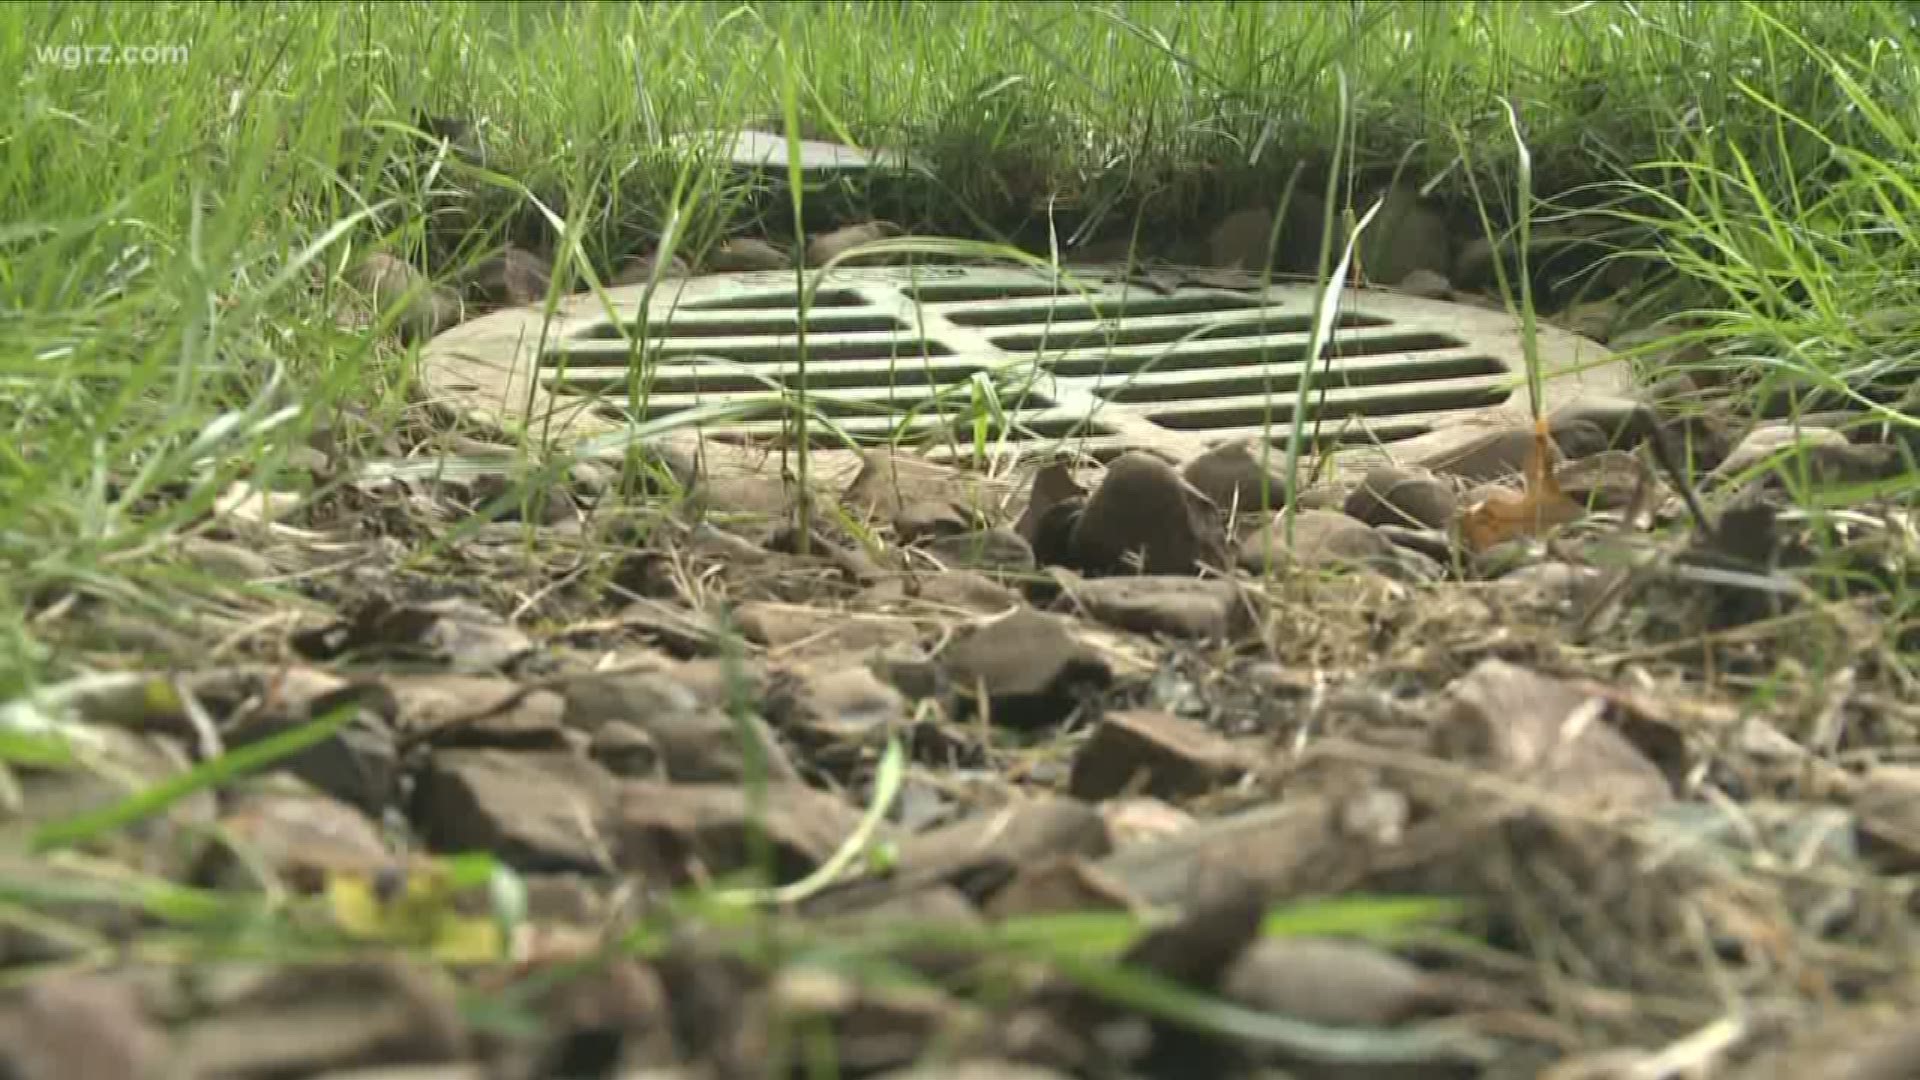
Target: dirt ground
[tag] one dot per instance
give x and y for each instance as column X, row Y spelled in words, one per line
column 1599, row 701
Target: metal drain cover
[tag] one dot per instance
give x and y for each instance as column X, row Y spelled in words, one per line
column 960, row 360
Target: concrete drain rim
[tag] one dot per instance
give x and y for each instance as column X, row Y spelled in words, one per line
column 488, row 371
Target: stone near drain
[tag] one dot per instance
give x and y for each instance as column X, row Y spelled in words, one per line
column 299, row 834
column 1406, row 235
column 426, row 309
column 1159, row 604
column 1030, row 667
column 1392, row 495
column 1272, row 849
column 1548, row 734
column 678, row 833
column 1330, row 981
column 639, row 269
column 507, row 717
column 1426, row 284
column 1232, row 476
column 990, row 550
column 926, row 519
column 65, row 1026
column 310, row 1019
column 1152, row 753
column 534, row 811
column 946, row 592
column 1321, row 538
column 1887, row 802
column 831, row 245
column 746, row 254
column 980, row 852
column 696, row 740
column 1145, row 518
column 513, row 278
column 835, row 704
column 624, row 750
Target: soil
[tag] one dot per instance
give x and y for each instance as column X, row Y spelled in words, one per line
column 1651, row 743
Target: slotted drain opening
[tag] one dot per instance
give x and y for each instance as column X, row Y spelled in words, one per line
column 1076, row 308
column 776, row 301
column 924, row 354
column 1239, row 355
column 774, row 322
column 1285, row 379
column 1169, row 332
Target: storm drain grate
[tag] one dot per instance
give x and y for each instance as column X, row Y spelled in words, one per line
column 946, row 357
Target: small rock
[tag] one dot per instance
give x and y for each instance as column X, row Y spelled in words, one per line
column 696, row 738
column 513, row 278
column 1245, row 239
column 1406, row 235
column 1274, row 848
column 302, row 836
column 638, row 270
column 673, row 834
column 79, row 1027
column 456, row 634
column 992, row 550
column 393, row 283
column 625, row 750
column 534, row 811
column 483, row 711
column 1055, row 886
column 927, row 519
column 1497, row 455
column 1321, row 538
column 793, row 628
column 1426, row 284
column 1332, row 982
column 981, row 851
column 745, row 254
column 1144, row 510
column 305, row 1020
column 1548, row 734
column 1143, row 819
column 1887, row 801
column 1593, row 319
column 947, row 591
column 1030, row 666
column 1167, row 757
column 1159, row 604
column 1435, row 544
column 357, row 764
column 1822, row 455
column 890, row 481
column 827, row 246
column 1391, row 495
column 1609, row 480
column 1231, row 476
column 1623, row 422
column 844, row 706
column 1546, row 584
column 1767, row 440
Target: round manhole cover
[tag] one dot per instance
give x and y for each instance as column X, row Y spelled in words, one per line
column 972, row 363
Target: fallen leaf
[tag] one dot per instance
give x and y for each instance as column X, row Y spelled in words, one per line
column 1508, row 515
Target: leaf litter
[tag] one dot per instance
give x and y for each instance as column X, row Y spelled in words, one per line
column 1084, row 771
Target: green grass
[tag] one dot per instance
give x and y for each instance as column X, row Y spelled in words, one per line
column 171, row 235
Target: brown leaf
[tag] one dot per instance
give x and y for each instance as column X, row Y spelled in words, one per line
column 1538, row 508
